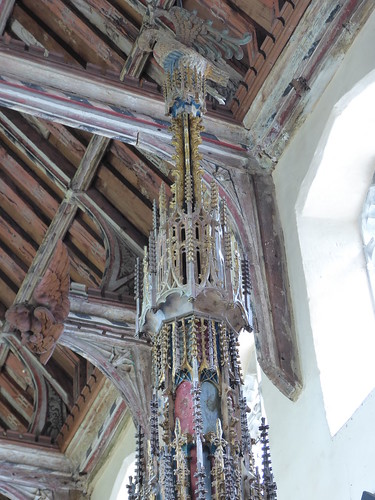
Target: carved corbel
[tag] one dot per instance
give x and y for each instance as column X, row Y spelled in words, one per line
column 40, row 322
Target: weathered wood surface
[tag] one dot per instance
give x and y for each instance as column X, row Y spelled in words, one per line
column 104, row 16
column 6, row 7
column 283, row 367
column 29, row 31
column 107, row 216
column 126, row 365
column 85, row 43
column 272, row 46
column 89, row 163
column 257, row 220
column 108, row 108
column 301, row 73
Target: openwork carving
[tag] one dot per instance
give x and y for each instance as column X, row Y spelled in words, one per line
column 56, row 413
column 195, row 299
column 41, row 322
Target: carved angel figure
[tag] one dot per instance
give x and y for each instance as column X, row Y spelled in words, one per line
column 41, row 322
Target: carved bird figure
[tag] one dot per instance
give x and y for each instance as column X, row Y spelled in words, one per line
column 41, row 321
column 171, row 54
column 194, row 42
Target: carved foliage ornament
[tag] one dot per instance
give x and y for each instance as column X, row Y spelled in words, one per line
column 191, row 54
column 41, row 321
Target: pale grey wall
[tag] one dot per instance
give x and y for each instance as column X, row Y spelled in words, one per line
column 309, row 463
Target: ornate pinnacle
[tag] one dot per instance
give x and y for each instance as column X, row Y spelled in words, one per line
column 246, row 278
column 200, row 474
column 166, row 466
column 139, row 460
column 131, row 489
column 246, row 441
column 235, row 356
column 198, row 421
column 154, row 217
column 230, row 489
column 181, row 471
column 152, row 251
column 154, row 431
column 162, row 205
column 214, row 196
column 269, row 484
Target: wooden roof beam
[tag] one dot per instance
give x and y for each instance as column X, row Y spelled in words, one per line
column 14, row 394
column 31, row 33
column 64, row 216
column 90, row 163
column 25, row 141
column 15, row 204
column 76, row 33
column 109, row 21
column 102, row 211
column 18, row 243
column 106, row 107
column 39, row 371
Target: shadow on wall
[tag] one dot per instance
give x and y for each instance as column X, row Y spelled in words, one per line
column 367, row 496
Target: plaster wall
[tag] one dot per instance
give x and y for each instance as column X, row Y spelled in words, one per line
column 310, row 462
column 109, row 481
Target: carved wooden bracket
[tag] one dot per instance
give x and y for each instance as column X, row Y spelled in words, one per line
column 41, row 322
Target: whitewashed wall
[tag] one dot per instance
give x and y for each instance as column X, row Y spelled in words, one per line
column 311, row 461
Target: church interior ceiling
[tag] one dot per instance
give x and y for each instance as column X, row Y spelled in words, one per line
column 61, row 180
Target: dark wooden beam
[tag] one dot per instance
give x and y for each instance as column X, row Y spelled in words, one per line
column 90, row 163
column 16, row 205
column 55, row 232
column 277, row 285
column 109, row 21
column 27, row 29
column 76, row 33
column 26, row 141
column 258, row 223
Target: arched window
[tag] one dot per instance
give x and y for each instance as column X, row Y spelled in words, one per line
column 368, row 234
column 328, row 215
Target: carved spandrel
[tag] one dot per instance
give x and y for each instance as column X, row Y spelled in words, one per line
column 125, row 361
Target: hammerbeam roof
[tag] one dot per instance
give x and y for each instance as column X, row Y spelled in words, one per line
column 84, row 149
